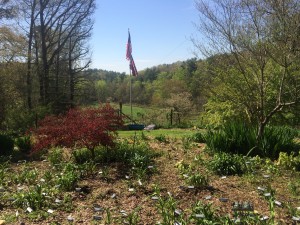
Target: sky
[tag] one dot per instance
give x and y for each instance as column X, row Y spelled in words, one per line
column 160, row 33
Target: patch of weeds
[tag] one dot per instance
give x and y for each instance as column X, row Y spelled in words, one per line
column 67, row 180
column 289, row 161
column 198, row 137
column 227, row 164
column 187, row 143
column 166, row 208
column 4, row 168
column 270, row 167
column 82, row 155
column 133, row 217
column 161, row 138
column 24, row 144
column 202, row 214
column 197, row 180
column 294, row 188
column 88, row 169
column 35, row 198
column 55, row 156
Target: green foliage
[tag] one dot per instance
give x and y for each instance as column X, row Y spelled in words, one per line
column 24, row 144
column 55, row 156
column 35, row 198
column 203, row 209
column 278, row 139
column 290, row 162
column 240, row 138
column 227, row 164
column 67, row 180
column 198, row 137
column 82, row 155
column 6, row 144
column 161, row 138
column 198, row 180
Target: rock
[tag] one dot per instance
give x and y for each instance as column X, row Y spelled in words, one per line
column 2, row 222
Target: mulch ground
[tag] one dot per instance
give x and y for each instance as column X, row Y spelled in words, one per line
column 122, row 195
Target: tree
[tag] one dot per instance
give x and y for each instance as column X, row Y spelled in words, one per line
column 88, row 128
column 258, row 54
column 57, row 46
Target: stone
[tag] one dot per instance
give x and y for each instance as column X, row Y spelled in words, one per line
column 177, row 212
column 97, row 217
column 2, row 222
column 28, row 209
column 264, row 218
column 78, row 189
column 223, row 199
column 278, row 203
column 267, row 194
column 154, row 198
column 97, row 208
column 200, row 216
column 296, row 218
column 260, row 188
column 208, row 197
column 70, row 218
column 50, row 211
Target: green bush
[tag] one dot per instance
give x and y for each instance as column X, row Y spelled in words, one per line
column 24, row 144
column 227, row 164
column 240, row 138
column 6, row 144
column 198, row 137
column 82, row 156
column 289, row 162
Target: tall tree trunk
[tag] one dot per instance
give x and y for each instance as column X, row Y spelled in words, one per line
column 29, row 57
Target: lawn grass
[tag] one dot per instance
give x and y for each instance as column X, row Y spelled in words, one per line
column 171, row 133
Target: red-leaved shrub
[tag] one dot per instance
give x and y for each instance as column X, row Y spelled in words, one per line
column 88, row 128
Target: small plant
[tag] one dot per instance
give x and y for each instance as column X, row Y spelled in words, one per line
column 227, row 164
column 198, row 137
column 55, row 156
column 35, row 198
column 68, row 178
column 81, row 155
column 166, row 208
column 187, row 143
column 202, row 214
column 24, row 144
column 133, row 217
column 161, row 138
column 289, row 162
column 198, row 180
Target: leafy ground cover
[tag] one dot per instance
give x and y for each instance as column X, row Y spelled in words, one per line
column 157, row 177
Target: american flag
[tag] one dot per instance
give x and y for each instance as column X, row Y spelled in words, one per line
column 129, row 56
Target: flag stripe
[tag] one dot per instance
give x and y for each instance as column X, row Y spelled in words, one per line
column 129, row 57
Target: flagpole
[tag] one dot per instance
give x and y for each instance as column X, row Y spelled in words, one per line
column 130, row 91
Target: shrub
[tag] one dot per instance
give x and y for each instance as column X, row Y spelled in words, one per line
column 84, row 128
column 227, row 164
column 24, row 144
column 240, row 138
column 198, row 180
column 290, row 162
column 198, row 137
column 6, row 144
column 81, row 156
column 55, row 156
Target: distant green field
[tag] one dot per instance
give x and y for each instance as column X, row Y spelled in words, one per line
column 171, row 133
